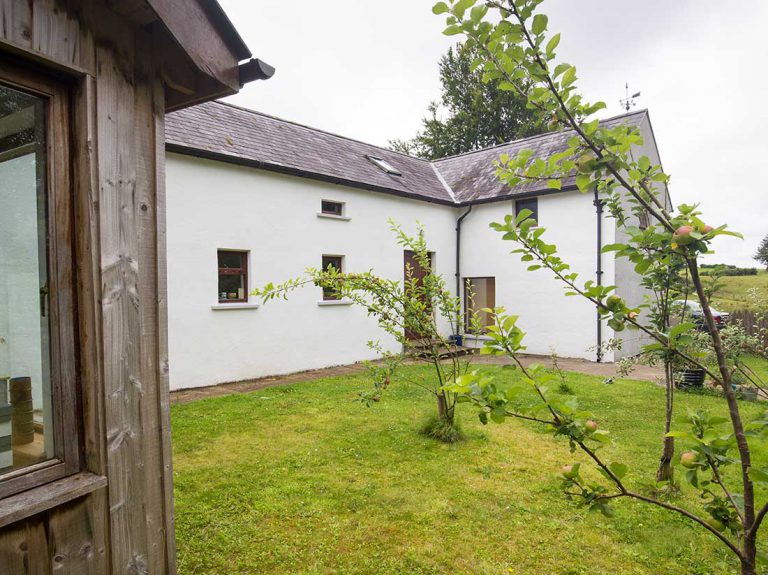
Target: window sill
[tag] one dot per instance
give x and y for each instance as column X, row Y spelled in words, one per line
column 333, row 302
column 333, row 217
column 241, row 305
column 39, row 499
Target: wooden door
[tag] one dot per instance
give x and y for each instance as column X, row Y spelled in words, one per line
column 412, row 269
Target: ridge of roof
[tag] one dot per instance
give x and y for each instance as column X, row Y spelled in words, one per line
column 536, row 137
column 320, row 130
column 445, row 184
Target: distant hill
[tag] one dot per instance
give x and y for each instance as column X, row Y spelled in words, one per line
column 732, row 295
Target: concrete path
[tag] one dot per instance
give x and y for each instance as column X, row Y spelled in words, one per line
column 566, row 364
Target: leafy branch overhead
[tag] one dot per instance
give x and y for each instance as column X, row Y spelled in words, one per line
column 517, row 53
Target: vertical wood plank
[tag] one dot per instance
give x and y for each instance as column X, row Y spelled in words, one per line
column 146, row 222
column 23, row 549
column 56, row 31
column 164, row 404
column 76, row 544
column 16, row 22
column 120, row 305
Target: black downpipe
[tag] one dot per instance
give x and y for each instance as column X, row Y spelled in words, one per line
column 599, row 273
column 458, row 260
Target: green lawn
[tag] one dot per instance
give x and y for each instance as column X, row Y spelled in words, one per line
column 733, row 294
column 303, row 480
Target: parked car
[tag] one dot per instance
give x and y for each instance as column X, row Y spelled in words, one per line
column 695, row 313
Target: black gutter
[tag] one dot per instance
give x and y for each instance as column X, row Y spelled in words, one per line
column 250, row 163
column 599, row 273
column 458, row 260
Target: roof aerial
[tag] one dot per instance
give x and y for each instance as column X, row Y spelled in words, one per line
column 384, row 165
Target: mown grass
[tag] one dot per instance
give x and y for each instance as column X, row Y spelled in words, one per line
column 732, row 296
column 304, row 480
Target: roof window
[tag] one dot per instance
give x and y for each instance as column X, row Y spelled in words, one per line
column 384, row 165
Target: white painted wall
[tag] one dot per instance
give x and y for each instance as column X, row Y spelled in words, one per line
column 213, row 205
column 551, row 320
column 628, row 284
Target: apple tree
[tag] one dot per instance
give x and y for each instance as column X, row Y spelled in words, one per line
column 516, row 51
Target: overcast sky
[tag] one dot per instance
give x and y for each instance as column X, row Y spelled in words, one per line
column 367, row 69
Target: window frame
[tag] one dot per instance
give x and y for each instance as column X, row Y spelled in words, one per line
column 341, row 206
column 519, row 208
column 467, row 282
column 61, row 304
column 340, row 258
column 243, row 271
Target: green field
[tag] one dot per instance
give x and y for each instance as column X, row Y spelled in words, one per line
column 733, row 294
column 302, row 479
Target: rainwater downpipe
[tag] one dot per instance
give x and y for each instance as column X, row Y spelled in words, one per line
column 458, row 260
column 599, row 272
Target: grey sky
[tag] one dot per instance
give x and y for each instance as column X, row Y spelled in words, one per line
column 367, row 69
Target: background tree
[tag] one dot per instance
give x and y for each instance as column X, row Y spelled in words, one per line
column 762, row 252
column 478, row 114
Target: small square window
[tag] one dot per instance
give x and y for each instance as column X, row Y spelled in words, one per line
column 528, row 204
column 337, row 263
column 479, row 294
column 233, row 276
column 332, row 208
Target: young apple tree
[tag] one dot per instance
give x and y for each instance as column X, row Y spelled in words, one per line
column 517, row 52
column 415, row 313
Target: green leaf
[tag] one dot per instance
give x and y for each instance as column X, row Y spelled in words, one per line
column 618, row 469
column 555, row 184
column 539, row 23
column 758, row 475
column 452, row 30
column 552, row 44
column 440, row 8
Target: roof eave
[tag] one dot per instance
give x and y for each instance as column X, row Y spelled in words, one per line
column 251, row 163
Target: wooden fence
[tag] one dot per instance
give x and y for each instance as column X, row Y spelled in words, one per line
column 751, row 324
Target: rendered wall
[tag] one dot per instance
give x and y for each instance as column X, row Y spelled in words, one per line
column 213, row 205
column 553, row 321
column 628, row 284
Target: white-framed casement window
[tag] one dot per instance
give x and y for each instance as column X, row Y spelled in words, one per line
column 528, row 204
column 479, row 294
column 333, row 209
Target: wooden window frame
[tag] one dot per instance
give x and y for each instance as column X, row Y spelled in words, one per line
column 62, row 302
column 327, row 294
column 332, row 213
column 241, row 271
column 467, row 282
column 519, row 208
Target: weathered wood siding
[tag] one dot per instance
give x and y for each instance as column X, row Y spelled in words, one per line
column 126, row 527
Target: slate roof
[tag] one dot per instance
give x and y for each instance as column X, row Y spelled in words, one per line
column 229, row 133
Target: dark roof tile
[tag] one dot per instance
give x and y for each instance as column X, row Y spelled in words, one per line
column 229, row 133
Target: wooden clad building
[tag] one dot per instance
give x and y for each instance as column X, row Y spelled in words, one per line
column 85, row 456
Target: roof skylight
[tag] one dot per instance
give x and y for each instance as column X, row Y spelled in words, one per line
column 384, row 165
